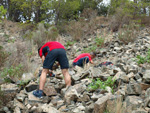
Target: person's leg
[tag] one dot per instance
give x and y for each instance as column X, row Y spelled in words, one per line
column 67, row 77
column 82, row 61
column 43, row 78
column 64, row 64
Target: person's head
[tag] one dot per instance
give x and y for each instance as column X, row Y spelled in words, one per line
column 39, row 50
column 93, row 54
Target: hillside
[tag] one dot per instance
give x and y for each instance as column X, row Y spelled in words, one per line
column 123, row 87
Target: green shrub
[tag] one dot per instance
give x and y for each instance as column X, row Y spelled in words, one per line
column 70, row 43
column 99, row 41
column 12, row 72
column 141, row 60
column 2, row 11
column 101, row 84
column 89, row 49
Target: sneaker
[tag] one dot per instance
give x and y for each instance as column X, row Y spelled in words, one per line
column 38, row 93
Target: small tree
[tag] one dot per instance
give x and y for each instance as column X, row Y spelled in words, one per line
column 2, row 12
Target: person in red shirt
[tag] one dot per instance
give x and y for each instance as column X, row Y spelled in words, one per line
column 49, row 53
column 83, row 59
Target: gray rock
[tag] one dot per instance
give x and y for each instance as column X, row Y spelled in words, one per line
column 133, row 103
column 96, row 96
column 140, row 111
column 80, row 87
column 100, row 104
column 21, row 96
column 71, row 95
column 49, row 90
column 9, row 87
column 114, row 104
column 146, row 76
column 31, row 86
column 17, row 110
column 133, row 89
column 27, row 77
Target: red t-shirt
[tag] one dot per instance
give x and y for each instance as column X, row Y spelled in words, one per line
column 83, row 55
column 51, row 46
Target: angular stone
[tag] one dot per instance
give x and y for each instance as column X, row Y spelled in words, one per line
column 96, row 72
column 146, row 76
column 133, row 88
column 17, row 110
column 80, row 87
column 33, row 99
column 21, row 96
column 100, row 104
column 122, row 76
column 49, row 90
column 140, row 111
column 133, row 103
column 71, row 95
column 114, row 104
column 48, row 109
column 27, row 77
column 9, row 87
column 54, row 100
column 144, row 86
column 31, row 86
column 84, row 98
column 18, row 104
column 95, row 96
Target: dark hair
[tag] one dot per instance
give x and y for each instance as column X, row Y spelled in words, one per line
column 39, row 50
column 93, row 53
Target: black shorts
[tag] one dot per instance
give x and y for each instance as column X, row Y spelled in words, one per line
column 56, row 55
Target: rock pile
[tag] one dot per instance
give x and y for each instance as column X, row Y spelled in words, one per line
column 130, row 95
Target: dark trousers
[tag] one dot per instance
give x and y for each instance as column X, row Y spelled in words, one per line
column 81, row 62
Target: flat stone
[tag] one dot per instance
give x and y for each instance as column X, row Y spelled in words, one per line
column 31, row 86
column 49, row 90
column 32, row 98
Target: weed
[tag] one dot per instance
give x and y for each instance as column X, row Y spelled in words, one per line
column 12, row 72
column 101, row 84
column 89, row 49
column 23, row 83
column 70, row 43
column 141, row 60
column 99, row 41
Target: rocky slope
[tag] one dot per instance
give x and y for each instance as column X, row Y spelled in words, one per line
column 131, row 93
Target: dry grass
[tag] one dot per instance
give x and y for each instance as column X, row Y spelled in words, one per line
column 128, row 33
column 119, row 19
column 83, row 28
column 42, row 35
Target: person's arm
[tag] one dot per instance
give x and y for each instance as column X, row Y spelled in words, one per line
column 43, row 58
column 91, row 62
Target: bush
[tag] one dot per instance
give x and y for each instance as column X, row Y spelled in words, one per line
column 42, row 35
column 12, row 72
column 101, row 84
column 2, row 11
column 3, row 56
column 128, row 33
column 99, row 41
column 89, row 49
column 142, row 60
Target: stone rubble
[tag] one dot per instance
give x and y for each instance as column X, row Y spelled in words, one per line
column 132, row 94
